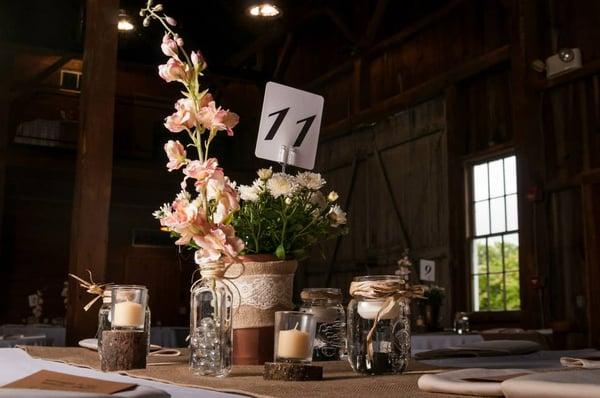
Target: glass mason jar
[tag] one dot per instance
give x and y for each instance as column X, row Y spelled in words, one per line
column 389, row 337
column 326, row 306
column 211, row 332
column 104, row 317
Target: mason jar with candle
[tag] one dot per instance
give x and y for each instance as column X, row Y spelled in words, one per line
column 104, row 316
column 211, row 331
column 294, row 336
column 326, row 306
column 378, row 325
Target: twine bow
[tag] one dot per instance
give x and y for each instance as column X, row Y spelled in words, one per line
column 91, row 287
column 217, row 272
column 394, row 291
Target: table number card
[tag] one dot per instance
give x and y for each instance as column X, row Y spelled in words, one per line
column 427, row 270
column 289, row 126
column 55, row 381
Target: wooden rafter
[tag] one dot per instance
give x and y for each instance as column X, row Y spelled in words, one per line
column 284, row 56
column 375, row 22
column 36, row 80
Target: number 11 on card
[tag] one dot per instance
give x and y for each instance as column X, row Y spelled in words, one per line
column 290, row 119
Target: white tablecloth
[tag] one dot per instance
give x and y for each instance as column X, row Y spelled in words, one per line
column 55, row 335
column 16, row 364
column 436, row 341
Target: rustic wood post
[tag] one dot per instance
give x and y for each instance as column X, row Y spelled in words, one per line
column 91, row 199
column 525, row 48
column 6, row 68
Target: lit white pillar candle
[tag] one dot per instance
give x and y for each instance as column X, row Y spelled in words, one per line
column 128, row 314
column 294, row 344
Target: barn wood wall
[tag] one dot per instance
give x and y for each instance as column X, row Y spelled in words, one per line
column 40, row 182
column 481, row 124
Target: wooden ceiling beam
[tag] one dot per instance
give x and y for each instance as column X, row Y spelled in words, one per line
column 375, row 22
column 266, row 40
column 36, row 80
column 284, row 57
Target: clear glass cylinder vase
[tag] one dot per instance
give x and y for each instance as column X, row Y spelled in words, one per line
column 390, row 335
column 211, row 334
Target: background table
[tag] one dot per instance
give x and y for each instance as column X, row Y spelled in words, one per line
column 55, row 335
column 13, row 341
column 435, row 341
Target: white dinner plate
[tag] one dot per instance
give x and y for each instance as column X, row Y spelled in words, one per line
column 92, row 344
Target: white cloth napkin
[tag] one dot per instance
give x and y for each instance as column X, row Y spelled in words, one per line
column 585, row 363
column 453, row 382
column 138, row 392
column 559, row 384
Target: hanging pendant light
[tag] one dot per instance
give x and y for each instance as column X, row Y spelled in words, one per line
column 264, row 10
column 124, row 24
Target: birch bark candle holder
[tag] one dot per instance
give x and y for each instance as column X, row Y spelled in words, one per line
column 125, row 346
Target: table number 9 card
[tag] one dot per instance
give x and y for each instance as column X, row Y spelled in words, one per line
column 289, row 126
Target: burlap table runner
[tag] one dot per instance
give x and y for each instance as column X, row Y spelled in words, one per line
column 339, row 380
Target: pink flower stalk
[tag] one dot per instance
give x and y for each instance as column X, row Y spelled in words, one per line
column 174, row 70
column 220, row 241
column 186, row 219
column 184, row 117
column 198, row 61
column 169, row 46
column 217, row 119
column 176, row 154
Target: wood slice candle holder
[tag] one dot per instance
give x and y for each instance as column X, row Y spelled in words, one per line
column 292, row 371
column 123, row 350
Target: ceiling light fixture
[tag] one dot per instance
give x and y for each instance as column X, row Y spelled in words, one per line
column 264, row 10
column 124, row 24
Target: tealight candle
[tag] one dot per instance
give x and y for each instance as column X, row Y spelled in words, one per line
column 369, row 310
column 294, row 344
column 129, row 314
column 294, row 336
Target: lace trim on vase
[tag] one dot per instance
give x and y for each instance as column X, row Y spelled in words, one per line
column 265, row 291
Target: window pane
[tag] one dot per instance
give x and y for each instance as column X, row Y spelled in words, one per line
column 497, row 214
column 510, row 174
column 496, row 298
column 512, row 215
column 480, row 182
column 479, row 256
column 496, row 171
column 480, row 296
column 511, row 252
column 482, row 218
column 495, row 254
column 513, row 299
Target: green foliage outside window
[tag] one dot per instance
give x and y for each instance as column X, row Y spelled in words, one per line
column 499, row 283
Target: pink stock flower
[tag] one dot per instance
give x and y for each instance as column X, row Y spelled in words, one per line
column 186, row 219
column 185, row 116
column 223, row 191
column 176, row 154
column 198, row 61
column 174, row 69
column 217, row 119
column 202, row 172
column 220, row 241
column 169, row 45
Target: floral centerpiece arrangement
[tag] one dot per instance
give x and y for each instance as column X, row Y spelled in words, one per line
column 285, row 215
column 200, row 216
column 281, row 217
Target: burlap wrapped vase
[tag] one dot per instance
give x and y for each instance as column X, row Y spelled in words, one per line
column 265, row 286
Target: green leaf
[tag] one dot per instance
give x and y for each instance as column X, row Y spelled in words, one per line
column 280, row 252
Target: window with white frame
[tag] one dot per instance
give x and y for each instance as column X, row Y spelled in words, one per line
column 494, row 236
